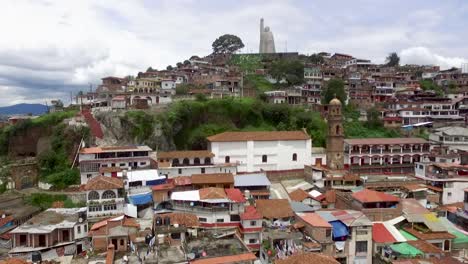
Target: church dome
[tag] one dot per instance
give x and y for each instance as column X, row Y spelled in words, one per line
column 335, row 101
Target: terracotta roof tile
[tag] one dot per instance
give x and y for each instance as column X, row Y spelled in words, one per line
column 104, row 183
column 299, row 195
column 183, row 219
column 6, row 220
column 425, row 246
column 212, row 193
column 185, row 154
column 307, row 258
column 259, row 136
column 183, row 180
column 274, row 208
column 212, row 178
column 250, row 213
column 235, row 195
column 239, row 258
column 314, row 219
column 429, row 235
column 371, row 196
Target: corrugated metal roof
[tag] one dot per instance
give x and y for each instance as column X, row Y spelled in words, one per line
column 255, row 179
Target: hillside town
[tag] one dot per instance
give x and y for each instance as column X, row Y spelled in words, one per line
column 290, row 194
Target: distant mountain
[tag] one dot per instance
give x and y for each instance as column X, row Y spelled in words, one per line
column 19, row 109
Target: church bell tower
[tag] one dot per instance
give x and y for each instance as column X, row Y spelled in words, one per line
column 335, row 136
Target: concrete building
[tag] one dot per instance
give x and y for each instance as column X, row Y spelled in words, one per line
column 214, row 207
column 255, row 151
column 52, row 229
column 116, row 231
column 104, row 197
column 449, row 177
column 384, row 155
column 377, row 206
column 185, row 163
column 455, row 138
column 97, row 161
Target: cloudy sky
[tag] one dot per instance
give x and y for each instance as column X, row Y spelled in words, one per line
column 51, row 48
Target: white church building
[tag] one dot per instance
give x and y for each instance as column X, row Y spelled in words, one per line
column 262, row 150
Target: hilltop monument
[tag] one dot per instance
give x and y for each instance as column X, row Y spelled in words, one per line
column 267, row 42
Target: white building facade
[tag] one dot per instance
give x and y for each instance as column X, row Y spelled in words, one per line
column 269, row 151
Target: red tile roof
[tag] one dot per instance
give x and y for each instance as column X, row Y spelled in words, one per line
column 6, row 220
column 260, row 136
column 183, row 180
column 212, row 193
column 250, row 213
column 371, row 196
column 212, row 178
column 226, row 259
column 314, row 219
column 166, row 186
column 429, row 235
column 380, row 234
column 425, row 246
column 274, row 208
column 235, row 195
column 104, row 183
column 307, row 258
column 299, row 195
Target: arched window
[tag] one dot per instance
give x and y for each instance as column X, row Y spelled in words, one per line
column 186, row 161
column 175, row 162
column 196, row 161
column 207, row 160
column 338, row 130
column 264, row 159
column 227, row 159
column 294, row 157
column 93, row 195
column 108, row 195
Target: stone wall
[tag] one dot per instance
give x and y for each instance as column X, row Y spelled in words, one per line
column 277, row 176
column 24, row 175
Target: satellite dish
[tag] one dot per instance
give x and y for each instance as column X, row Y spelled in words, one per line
column 80, row 220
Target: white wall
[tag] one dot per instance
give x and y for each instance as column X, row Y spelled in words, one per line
column 453, row 192
column 249, row 154
column 173, row 172
column 83, row 230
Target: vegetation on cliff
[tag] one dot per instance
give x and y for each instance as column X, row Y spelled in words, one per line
column 55, row 162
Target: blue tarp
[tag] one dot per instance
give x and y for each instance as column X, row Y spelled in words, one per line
column 156, row 182
column 141, row 199
column 340, row 230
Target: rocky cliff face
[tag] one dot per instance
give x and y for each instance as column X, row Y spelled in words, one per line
column 119, row 129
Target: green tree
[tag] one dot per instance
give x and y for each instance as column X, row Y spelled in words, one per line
column 429, row 85
column 169, row 68
column 315, row 59
column 373, row 119
column 150, row 69
column 182, row 89
column 335, row 87
column 290, row 70
column 393, row 60
column 452, row 86
column 227, row 44
column 186, row 62
column 179, row 64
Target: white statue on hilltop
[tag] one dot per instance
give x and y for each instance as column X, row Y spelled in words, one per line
column 267, row 42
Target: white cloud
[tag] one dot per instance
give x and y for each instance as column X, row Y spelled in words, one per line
column 49, row 48
column 423, row 55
